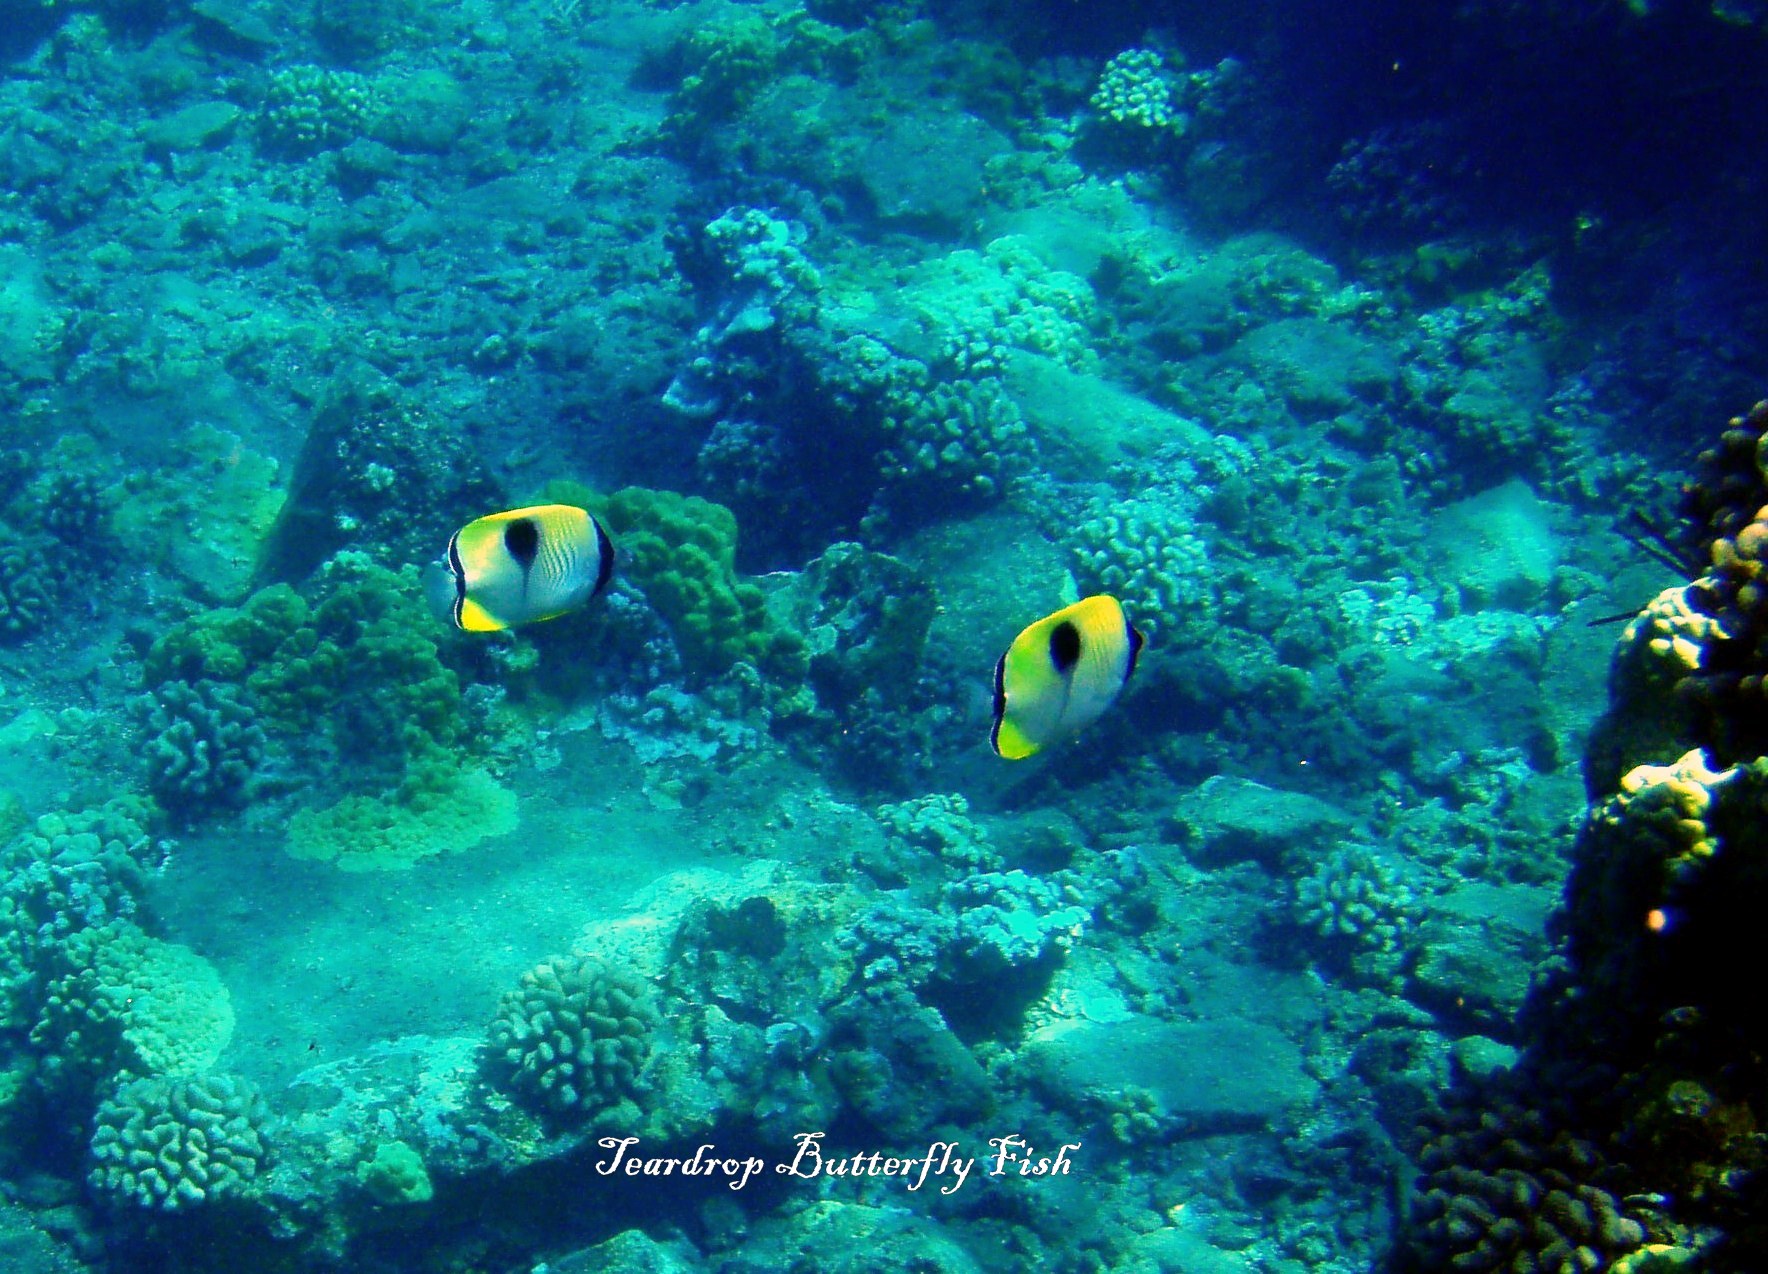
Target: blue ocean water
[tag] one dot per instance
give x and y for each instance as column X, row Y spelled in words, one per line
column 1357, row 907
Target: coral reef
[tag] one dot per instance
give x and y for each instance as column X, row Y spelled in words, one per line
column 203, row 748
column 27, row 592
column 1003, row 304
column 895, row 946
column 1006, row 296
column 680, row 551
column 573, row 1038
column 166, row 1144
column 722, row 66
column 865, row 617
column 1360, row 905
column 1641, row 1078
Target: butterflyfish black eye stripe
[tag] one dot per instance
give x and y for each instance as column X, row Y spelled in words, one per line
column 605, row 554
column 522, row 540
column 519, row 567
column 1060, row 674
column 1064, row 646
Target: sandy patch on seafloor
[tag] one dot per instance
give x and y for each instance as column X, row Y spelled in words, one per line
column 322, row 963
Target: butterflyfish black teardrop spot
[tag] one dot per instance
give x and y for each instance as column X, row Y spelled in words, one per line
column 1060, row 674
column 518, row 567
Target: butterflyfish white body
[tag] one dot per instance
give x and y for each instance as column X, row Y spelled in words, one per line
column 1060, row 674
column 519, row 567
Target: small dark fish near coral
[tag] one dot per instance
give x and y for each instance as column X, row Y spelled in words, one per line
column 1060, row 675
column 518, row 567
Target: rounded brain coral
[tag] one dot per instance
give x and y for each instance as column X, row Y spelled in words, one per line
column 173, row 1143
column 131, row 1001
column 575, row 1034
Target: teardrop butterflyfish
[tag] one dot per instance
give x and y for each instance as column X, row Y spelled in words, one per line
column 518, row 567
column 1060, row 674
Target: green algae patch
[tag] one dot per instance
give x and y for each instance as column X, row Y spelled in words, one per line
column 395, row 1175
column 441, row 810
column 680, row 550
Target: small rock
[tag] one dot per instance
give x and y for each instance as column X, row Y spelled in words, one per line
column 1229, row 820
column 196, row 126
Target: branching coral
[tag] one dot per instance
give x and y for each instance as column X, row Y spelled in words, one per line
column 1139, row 90
column 1364, row 910
column 1144, row 552
column 308, row 109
